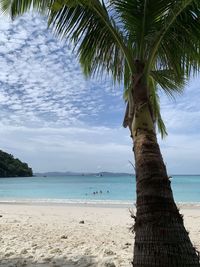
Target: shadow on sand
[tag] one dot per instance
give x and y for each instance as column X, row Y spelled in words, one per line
column 82, row 261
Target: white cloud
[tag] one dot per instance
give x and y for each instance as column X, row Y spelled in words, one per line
column 40, row 77
column 182, row 115
column 55, row 119
column 74, row 149
column 181, row 153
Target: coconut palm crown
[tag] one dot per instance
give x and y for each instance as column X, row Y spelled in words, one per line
column 147, row 45
column 111, row 36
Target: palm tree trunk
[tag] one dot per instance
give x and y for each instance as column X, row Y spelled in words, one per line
column 161, row 239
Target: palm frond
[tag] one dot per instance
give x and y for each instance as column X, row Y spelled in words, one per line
column 172, row 38
column 170, row 83
column 101, row 46
column 19, row 7
column 110, row 35
column 141, row 20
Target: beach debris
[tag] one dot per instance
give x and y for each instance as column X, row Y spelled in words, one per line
column 109, row 264
column 64, row 237
column 109, row 252
column 1, row 216
column 82, row 222
column 9, row 254
column 55, row 250
column 126, row 246
column 24, row 251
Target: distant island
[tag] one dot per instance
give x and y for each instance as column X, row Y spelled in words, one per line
column 11, row 167
column 99, row 174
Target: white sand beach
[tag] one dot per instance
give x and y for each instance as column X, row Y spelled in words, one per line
column 36, row 235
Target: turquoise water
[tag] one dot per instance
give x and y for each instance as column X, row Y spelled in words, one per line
column 81, row 189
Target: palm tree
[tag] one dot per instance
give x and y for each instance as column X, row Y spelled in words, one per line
column 148, row 45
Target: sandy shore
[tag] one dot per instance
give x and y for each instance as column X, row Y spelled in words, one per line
column 52, row 235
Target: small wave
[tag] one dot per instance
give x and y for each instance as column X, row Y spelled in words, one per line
column 67, row 201
column 85, row 202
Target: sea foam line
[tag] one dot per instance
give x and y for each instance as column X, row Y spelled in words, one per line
column 83, row 202
column 66, row 201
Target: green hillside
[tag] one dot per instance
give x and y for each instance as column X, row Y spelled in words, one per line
column 11, row 167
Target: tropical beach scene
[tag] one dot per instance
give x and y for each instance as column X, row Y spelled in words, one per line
column 99, row 133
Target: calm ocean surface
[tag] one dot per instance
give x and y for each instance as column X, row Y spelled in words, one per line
column 81, row 189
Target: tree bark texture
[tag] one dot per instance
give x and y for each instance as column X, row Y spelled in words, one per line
column 161, row 239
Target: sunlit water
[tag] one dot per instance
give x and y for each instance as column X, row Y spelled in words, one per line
column 120, row 189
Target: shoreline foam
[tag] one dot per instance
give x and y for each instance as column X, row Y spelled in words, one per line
column 83, row 202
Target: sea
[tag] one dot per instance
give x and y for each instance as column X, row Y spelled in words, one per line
column 90, row 189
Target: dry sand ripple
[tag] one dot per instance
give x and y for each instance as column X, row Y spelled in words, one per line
column 52, row 236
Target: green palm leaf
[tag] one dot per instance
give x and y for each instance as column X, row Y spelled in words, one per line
column 110, row 36
column 87, row 24
column 169, row 82
column 19, row 7
column 173, row 40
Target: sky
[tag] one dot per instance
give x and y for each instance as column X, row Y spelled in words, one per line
column 55, row 119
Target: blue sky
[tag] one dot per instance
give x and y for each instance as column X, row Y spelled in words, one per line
column 56, row 120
